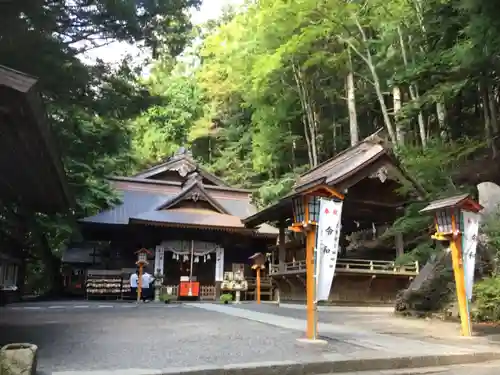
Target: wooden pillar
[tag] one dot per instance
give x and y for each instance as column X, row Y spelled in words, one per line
column 400, row 246
column 281, row 248
column 217, row 290
column 257, row 286
column 219, row 271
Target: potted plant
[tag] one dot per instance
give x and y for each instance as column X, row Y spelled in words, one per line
column 226, row 298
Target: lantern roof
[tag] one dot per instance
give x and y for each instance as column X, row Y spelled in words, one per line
column 143, row 250
column 462, row 201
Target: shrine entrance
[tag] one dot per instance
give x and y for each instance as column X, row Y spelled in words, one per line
column 190, row 266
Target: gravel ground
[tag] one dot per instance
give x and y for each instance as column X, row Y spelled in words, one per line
column 151, row 338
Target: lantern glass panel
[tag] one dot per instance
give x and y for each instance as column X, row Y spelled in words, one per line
column 314, row 203
column 444, row 221
column 298, row 209
column 460, row 219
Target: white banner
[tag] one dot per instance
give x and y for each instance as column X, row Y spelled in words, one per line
column 159, row 260
column 219, row 264
column 327, row 246
column 469, row 248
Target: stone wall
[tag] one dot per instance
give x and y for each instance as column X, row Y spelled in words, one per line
column 348, row 288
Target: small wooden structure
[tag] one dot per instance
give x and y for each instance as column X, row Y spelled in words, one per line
column 368, row 175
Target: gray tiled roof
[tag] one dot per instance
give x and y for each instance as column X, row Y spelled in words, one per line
column 193, row 218
column 133, row 203
column 142, row 205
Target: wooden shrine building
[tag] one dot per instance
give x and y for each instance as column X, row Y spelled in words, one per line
column 368, row 175
column 185, row 215
column 31, row 171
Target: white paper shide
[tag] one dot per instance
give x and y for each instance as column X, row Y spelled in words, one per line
column 327, row 246
column 469, row 248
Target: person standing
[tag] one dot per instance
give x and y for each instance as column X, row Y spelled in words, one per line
column 145, row 285
column 134, row 280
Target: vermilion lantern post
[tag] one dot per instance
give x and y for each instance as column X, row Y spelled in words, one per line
column 450, row 227
column 259, row 263
column 142, row 260
column 306, row 206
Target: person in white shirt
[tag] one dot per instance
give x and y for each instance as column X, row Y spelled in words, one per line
column 146, row 282
column 134, row 279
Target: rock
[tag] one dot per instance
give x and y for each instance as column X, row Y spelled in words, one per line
column 431, row 290
column 18, row 359
column 489, row 197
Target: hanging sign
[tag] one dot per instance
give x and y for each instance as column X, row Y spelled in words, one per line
column 219, row 264
column 469, row 248
column 159, row 260
column 327, row 246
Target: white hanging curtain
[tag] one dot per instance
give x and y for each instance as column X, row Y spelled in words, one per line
column 181, row 248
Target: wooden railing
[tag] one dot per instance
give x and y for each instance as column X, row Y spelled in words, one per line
column 354, row 266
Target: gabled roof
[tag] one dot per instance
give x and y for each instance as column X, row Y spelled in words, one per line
column 195, row 190
column 133, row 203
column 188, row 217
column 30, row 165
column 143, row 206
column 342, row 166
column 340, row 172
column 181, row 162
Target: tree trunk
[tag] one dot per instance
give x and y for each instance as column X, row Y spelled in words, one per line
column 400, row 133
column 487, row 118
column 441, row 116
column 413, row 91
column 367, row 58
column 493, row 111
column 310, row 119
column 351, row 104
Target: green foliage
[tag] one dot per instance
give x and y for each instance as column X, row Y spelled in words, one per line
column 433, row 169
column 487, row 300
column 226, row 298
column 88, row 106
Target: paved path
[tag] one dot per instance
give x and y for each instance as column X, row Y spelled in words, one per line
column 147, row 338
column 143, row 339
column 49, row 307
column 488, row 368
column 382, row 320
column 351, row 334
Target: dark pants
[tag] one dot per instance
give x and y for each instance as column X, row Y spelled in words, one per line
column 146, row 294
column 133, row 293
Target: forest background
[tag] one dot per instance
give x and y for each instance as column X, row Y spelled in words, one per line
column 265, row 92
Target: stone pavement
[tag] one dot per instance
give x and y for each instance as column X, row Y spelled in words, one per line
column 487, row 368
column 150, row 338
column 352, row 334
column 382, row 320
column 79, row 305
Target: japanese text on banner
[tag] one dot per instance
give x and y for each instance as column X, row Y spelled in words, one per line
column 469, row 248
column 327, row 246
